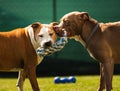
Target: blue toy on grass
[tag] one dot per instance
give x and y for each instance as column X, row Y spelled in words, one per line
column 70, row 79
column 57, row 79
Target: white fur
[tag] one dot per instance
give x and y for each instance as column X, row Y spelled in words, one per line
column 46, row 37
column 34, row 43
column 32, row 38
column 39, row 41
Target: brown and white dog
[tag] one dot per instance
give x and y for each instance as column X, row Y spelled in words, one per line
column 18, row 50
column 102, row 40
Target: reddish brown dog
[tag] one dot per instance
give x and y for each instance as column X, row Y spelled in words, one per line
column 100, row 39
column 18, row 50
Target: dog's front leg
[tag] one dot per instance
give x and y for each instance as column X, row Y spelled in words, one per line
column 102, row 78
column 21, row 79
column 31, row 73
column 108, row 72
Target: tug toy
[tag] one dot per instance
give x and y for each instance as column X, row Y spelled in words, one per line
column 56, row 47
column 70, row 79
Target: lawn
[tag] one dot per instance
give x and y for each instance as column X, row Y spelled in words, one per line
column 84, row 83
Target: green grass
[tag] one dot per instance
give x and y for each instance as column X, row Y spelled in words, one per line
column 84, row 83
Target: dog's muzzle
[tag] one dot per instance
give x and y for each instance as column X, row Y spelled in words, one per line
column 47, row 44
column 56, row 47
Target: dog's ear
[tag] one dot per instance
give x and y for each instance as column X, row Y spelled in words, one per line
column 54, row 23
column 83, row 16
column 36, row 25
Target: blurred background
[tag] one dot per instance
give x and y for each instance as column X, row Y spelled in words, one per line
column 73, row 59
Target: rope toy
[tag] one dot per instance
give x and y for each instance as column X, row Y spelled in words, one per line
column 56, row 47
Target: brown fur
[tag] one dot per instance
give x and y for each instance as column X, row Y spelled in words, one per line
column 103, row 45
column 17, row 53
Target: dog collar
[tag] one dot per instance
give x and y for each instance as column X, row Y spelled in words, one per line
column 91, row 34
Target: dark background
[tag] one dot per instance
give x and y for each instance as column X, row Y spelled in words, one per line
column 73, row 59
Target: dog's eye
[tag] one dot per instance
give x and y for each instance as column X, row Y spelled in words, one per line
column 51, row 34
column 40, row 36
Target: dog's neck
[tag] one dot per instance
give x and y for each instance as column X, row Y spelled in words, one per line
column 88, row 30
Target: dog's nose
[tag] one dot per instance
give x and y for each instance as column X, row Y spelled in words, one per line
column 48, row 44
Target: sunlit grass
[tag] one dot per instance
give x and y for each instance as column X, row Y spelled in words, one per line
column 84, row 83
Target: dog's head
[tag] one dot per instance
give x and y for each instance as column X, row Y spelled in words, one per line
column 72, row 23
column 42, row 35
